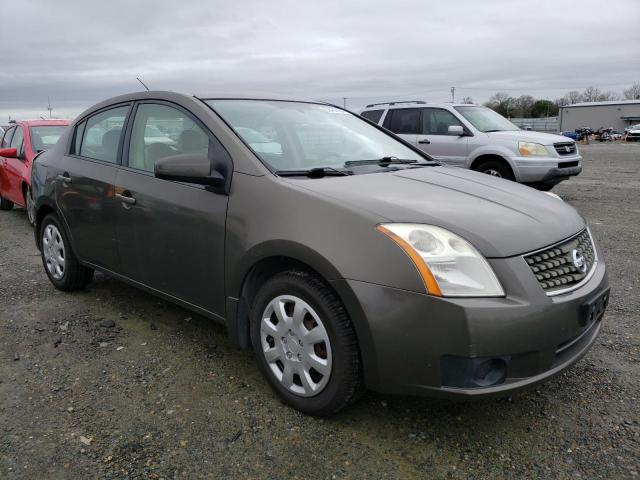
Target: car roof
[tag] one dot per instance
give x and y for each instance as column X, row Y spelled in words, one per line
column 42, row 123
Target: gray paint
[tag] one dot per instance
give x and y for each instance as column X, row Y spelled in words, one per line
column 599, row 115
column 196, row 248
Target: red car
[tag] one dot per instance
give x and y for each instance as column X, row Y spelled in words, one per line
column 21, row 143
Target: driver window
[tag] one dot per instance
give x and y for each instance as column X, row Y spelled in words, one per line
column 436, row 121
column 161, row 131
column 17, row 141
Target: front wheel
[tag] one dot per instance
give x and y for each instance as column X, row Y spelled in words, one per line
column 496, row 168
column 30, row 206
column 60, row 263
column 305, row 344
column 5, row 204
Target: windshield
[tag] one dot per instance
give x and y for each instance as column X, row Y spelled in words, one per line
column 486, row 120
column 45, row 137
column 303, row 136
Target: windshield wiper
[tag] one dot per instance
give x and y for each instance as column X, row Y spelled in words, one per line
column 383, row 162
column 314, row 172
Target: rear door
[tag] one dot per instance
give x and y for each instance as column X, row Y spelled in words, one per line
column 171, row 234
column 404, row 122
column 85, row 185
column 434, row 138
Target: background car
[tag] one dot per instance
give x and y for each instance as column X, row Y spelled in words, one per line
column 20, row 144
column 477, row 138
column 633, row 133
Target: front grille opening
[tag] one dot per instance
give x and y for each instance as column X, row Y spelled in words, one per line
column 561, row 266
column 568, row 164
column 565, row 148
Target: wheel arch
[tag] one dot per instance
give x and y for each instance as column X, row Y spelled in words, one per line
column 265, row 261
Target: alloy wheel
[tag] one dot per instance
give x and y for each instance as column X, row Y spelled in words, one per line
column 493, row 172
column 54, row 253
column 296, row 345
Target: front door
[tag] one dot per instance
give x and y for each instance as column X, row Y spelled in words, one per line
column 171, row 234
column 85, row 186
column 434, row 138
column 13, row 169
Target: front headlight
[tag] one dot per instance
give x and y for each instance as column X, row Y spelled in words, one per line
column 529, row 149
column 449, row 265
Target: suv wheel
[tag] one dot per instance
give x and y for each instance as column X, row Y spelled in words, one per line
column 60, row 263
column 5, row 204
column 305, row 344
column 496, row 168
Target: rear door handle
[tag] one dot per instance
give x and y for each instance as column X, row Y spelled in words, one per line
column 425, row 141
column 127, row 200
column 64, row 177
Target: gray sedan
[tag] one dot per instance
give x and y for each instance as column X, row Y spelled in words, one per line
column 342, row 255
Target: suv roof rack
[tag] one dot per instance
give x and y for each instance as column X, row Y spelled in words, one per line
column 421, row 102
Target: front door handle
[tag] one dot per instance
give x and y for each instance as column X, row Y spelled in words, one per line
column 127, row 200
column 425, row 141
column 64, row 177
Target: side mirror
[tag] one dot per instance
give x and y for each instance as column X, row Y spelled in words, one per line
column 456, row 130
column 190, row 168
column 9, row 152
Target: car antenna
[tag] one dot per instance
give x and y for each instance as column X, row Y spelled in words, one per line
column 143, row 84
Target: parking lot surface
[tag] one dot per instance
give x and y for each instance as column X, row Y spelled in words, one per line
column 115, row 383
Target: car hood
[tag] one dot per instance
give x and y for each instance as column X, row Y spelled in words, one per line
column 499, row 217
column 529, row 136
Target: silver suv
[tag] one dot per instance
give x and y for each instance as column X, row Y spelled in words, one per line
column 475, row 137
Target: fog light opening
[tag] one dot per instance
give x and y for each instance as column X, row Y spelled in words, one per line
column 490, row 372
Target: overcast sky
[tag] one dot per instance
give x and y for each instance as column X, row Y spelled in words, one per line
column 79, row 52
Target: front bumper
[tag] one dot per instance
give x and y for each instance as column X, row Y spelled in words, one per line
column 546, row 169
column 407, row 337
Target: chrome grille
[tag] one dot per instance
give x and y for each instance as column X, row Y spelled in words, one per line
column 558, row 268
column 565, row 148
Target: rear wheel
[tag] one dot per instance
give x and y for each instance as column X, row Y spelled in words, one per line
column 60, row 263
column 5, row 204
column 305, row 344
column 496, row 168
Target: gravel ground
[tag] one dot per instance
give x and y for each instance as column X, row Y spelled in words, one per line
column 114, row 383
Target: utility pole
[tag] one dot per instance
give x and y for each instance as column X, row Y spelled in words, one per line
column 344, row 102
column 49, row 106
column 453, row 94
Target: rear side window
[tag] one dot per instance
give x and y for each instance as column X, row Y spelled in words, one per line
column 404, row 120
column 161, row 131
column 102, row 133
column 436, row 121
column 373, row 115
column 6, row 140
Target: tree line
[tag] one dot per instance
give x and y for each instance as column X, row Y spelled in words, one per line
column 529, row 107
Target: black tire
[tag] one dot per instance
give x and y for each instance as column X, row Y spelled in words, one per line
column 75, row 276
column 5, row 204
column 544, row 187
column 344, row 383
column 496, row 168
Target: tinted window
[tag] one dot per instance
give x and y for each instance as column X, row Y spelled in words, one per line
column 6, row 140
column 436, row 121
column 373, row 115
column 404, row 120
column 77, row 140
column 45, row 137
column 161, row 131
column 17, row 141
column 101, row 138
